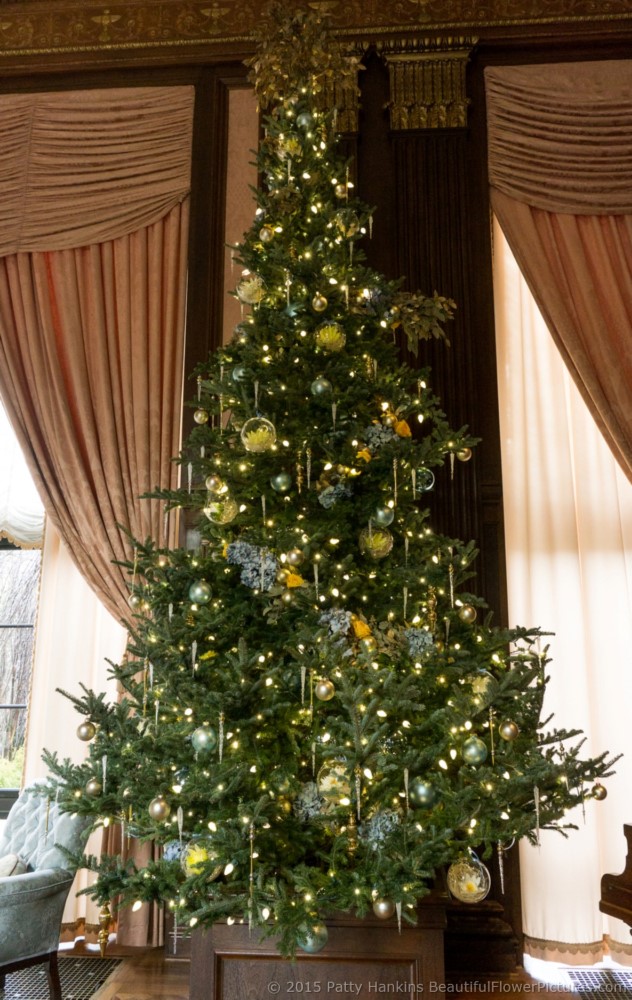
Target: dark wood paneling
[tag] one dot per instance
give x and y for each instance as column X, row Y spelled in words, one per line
column 361, row 957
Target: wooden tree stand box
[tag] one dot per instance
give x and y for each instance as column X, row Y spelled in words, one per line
column 368, row 958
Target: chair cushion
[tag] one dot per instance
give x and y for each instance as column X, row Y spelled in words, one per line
column 11, row 864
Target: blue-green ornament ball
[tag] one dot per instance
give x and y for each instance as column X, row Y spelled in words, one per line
column 474, row 751
column 204, row 739
column 200, row 592
column 384, row 516
column 281, row 482
column 421, row 794
column 313, row 939
column 320, row 386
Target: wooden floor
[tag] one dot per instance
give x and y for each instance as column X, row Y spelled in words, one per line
column 147, row 975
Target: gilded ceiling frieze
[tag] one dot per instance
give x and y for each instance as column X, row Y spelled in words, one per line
column 31, row 26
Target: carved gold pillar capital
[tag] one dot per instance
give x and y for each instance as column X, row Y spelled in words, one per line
column 427, row 81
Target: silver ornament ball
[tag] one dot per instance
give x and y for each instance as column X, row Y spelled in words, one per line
column 320, row 386
column 204, row 739
column 200, row 592
column 313, row 939
column 281, row 482
column 384, row 516
column 474, row 751
column 421, row 794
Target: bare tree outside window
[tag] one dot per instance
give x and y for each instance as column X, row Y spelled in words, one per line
column 19, row 585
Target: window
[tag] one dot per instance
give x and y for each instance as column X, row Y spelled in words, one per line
column 19, row 585
column 21, row 524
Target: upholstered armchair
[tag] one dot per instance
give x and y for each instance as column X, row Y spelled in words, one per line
column 34, row 890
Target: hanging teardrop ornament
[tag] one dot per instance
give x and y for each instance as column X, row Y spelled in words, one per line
column 501, row 866
column 303, row 679
column 180, row 819
column 491, row 734
column 406, row 789
column 221, row 736
column 398, row 910
column 395, row 480
column 358, row 790
column 194, row 647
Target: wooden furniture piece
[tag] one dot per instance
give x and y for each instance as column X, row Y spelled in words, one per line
column 616, row 890
column 361, row 957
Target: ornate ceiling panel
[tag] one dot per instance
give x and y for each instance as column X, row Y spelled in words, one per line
column 42, row 27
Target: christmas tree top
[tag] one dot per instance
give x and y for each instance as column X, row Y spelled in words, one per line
column 317, row 714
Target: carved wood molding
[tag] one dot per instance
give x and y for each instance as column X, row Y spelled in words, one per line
column 39, row 27
column 427, row 81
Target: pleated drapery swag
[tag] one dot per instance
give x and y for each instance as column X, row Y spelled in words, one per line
column 560, row 163
column 94, row 221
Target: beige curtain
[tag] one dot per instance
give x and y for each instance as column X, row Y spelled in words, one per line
column 91, row 333
column 568, row 526
column 86, row 166
column 91, row 344
column 560, row 162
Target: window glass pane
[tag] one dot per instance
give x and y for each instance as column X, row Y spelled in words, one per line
column 19, row 585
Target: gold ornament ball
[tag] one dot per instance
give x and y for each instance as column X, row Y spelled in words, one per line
column 159, row 808
column 214, row 484
column 324, row 690
column 319, row 303
column 200, row 417
column 508, row 730
column 467, row 614
column 599, row 792
column 287, row 597
column 295, row 557
column 266, row 234
column 86, row 731
column 368, row 643
column 384, row 908
column 134, row 601
column 93, row 788
column 341, row 190
column 464, row 454
column 284, row 804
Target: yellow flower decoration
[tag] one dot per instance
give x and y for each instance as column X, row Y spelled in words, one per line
column 208, row 656
column 294, row 580
column 330, row 337
column 402, row 429
column 365, row 455
column 194, row 858
column 360, row 629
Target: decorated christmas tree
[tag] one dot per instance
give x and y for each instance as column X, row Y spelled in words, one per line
column 317, row 715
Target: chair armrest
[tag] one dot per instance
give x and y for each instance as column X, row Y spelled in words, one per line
column 22, row 890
